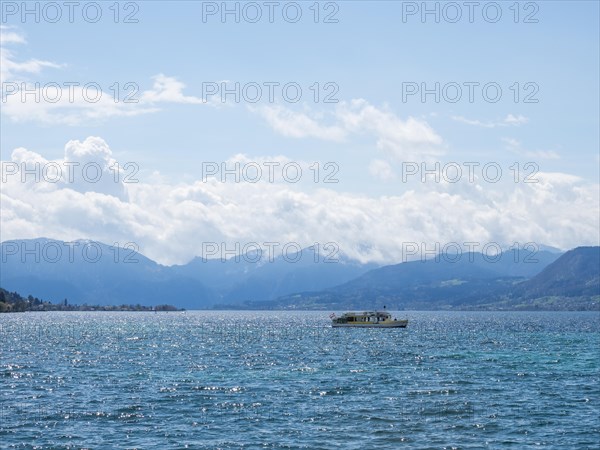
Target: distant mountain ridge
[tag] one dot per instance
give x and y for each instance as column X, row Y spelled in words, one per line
column 96, row 273
column 542, row 280
column 270, row 278
column 92, row 272
column 575, row 274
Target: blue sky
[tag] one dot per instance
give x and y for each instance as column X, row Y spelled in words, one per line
column 369, row 56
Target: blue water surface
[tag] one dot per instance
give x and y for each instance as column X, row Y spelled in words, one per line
column 271, row 380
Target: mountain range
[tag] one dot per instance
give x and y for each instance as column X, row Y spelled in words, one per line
column 95, row 273
column 517, row 280
column 92, row 272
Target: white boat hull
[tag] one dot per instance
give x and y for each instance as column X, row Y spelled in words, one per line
column 391, row 324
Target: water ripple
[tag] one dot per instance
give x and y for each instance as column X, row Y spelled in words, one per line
column 276, row 380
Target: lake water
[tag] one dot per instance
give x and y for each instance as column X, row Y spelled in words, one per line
column 273, row 380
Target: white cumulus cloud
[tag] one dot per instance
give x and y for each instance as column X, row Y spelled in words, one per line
column 170, row 220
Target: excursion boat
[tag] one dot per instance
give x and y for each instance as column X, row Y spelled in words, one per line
column 367, row 319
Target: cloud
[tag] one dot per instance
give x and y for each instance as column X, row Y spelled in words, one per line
column 298, row 125
column 168, row 90
column 515, row 120
column 9, row 66
column 60, row 103
column 87, row 166
column 512, row 143
column 509, row 120
column 515, row 146
column 8, row 35
column 77, row 106
column 542, row 154
column 382, row 170
column 79, row 111
column 400, row 139
column 403, row 139
column 170, row 220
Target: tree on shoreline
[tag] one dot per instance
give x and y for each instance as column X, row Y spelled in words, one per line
column 14, row 302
